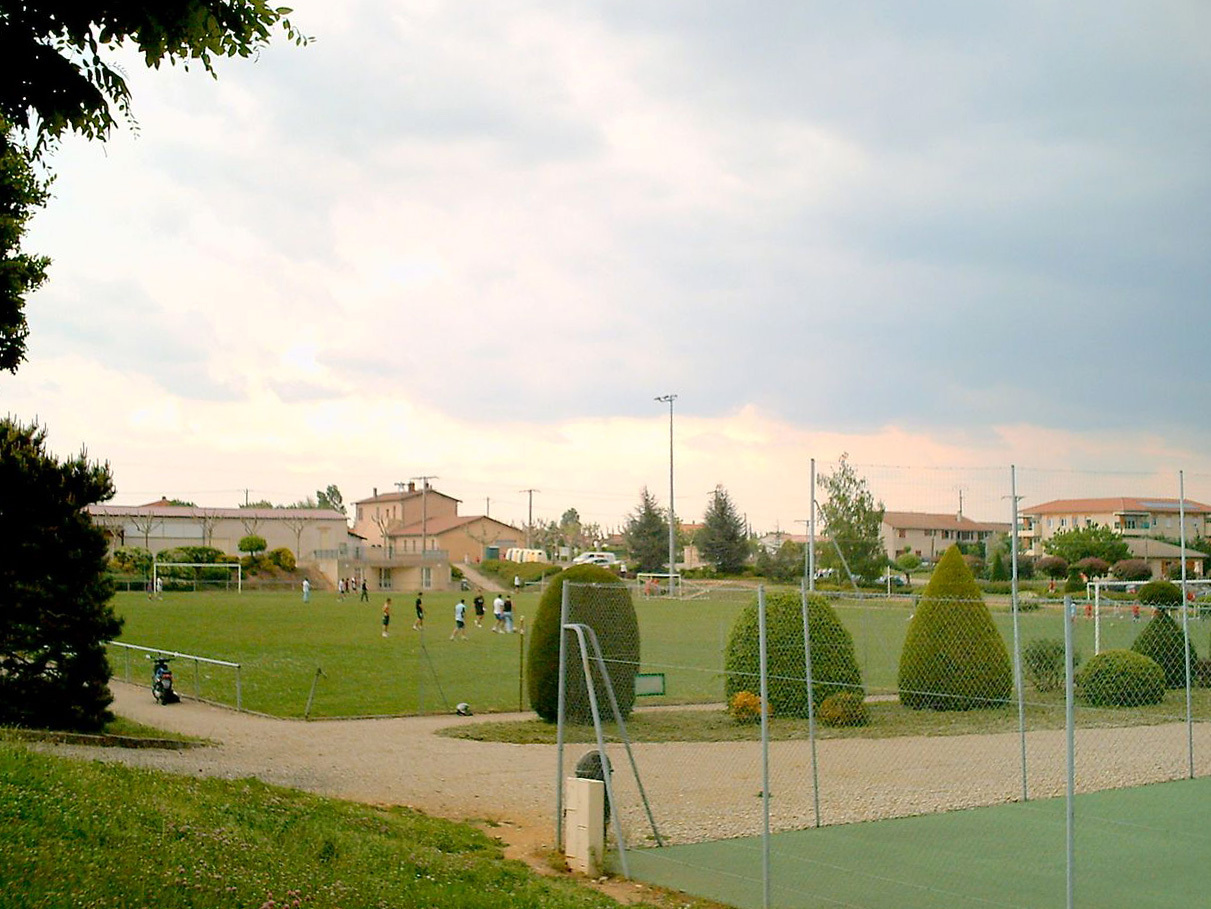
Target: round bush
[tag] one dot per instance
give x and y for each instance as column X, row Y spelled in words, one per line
column 282, row 557
column 1052, row 567
column 1131, row 570
column 845, row 708
column 1121, row 678
column 608, row 610
column 834, row 665
column 1161, row 641
column 953, row 657
column 1164, row 594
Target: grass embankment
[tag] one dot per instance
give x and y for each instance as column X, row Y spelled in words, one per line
column 98, row 835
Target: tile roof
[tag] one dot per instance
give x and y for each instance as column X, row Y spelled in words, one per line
column 1115, row 505
column 920, row 520
column 189, row 511
column 440, row 525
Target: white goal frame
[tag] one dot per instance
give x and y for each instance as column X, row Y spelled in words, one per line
column 668, row 585
column 239, row 570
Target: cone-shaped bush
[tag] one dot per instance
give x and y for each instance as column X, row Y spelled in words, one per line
column 1162, row 640
column 953, row 657
column 608, row 610
column 834, row 665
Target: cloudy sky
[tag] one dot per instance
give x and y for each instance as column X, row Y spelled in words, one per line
column 476, row 241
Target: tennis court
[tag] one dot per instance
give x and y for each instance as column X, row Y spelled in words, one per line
column 1141, row 847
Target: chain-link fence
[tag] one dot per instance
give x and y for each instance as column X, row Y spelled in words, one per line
column 1010, row 726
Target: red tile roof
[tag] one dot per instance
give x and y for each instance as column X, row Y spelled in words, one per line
column 1118, row 505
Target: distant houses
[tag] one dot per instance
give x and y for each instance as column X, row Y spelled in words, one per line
column 929, row 534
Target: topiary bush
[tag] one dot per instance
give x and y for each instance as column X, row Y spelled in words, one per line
column 1121, row 678
column 282, row 557
column 1092, row 567
column 834, row 664
column 1051, row 567
column 1162, row 594
column 608, row 610
column 845, row 708
column 1162, row 640
column 953, row 657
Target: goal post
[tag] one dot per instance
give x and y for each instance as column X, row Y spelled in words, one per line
column 157, row 569
column 658, row 584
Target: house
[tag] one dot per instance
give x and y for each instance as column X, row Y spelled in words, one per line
column 412, row 536
column 928, row 535
column 1131, row 517
column 1165, row 559
column 158, row 526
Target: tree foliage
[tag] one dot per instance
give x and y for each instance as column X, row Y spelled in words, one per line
column 55, row 78
column 722, row 540
column 647, row 535
column 784, row 565
column 252, row 544
column 852, row 519
column 55, row 614
column 330, row 498
column 1098, row 542
column 60, row 80
column 1164, row 641
column 953, row 657
column 21, row 194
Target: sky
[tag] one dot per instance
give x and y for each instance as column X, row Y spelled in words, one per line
column 476, row 243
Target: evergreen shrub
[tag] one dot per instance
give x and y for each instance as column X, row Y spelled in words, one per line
column 745, row 707
column 282, row 557
column 1161, row 640
column 1121, row 678
column 834, row 663
column 608, row 610
column 845, row 708
column 1164, row 594
column 953, row 657
column 1051, row 566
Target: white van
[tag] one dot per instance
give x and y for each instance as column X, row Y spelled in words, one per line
column 596, row 558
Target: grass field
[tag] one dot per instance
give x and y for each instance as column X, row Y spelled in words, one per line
column 280, row 642
column 76, row 833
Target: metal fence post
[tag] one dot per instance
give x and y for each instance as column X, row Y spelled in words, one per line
column 1070, row 729
column 765, row 835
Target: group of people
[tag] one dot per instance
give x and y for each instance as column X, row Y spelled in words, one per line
column 502, row 612
column 350, row 586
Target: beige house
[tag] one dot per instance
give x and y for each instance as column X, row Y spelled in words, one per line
column 410, row 537
column 1132, row 518
column 930, row 535
column 1165, row 559
column 157, row 526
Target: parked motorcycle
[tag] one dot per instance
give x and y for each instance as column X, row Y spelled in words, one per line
column 161, row 681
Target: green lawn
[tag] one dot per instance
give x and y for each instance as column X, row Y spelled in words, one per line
column 76, row 833
column 280, row 642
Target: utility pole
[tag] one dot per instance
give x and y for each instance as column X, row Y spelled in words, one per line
column 488, row 507
column 672, row 512
column 530, row 519
column 424, row 512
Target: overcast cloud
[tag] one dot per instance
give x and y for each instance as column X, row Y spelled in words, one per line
column 476, row 242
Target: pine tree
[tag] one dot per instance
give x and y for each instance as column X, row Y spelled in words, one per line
column 55, row 615
column 647, row 535
column 721, row 540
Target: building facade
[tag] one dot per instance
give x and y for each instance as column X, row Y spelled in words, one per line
column 1132, row 518
column 929, row 535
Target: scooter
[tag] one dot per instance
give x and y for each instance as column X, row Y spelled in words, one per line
column 161, row 681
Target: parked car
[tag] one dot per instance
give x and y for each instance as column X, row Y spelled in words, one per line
column 608, row 559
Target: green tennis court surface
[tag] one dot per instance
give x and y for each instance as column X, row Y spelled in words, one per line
column 1138, row 848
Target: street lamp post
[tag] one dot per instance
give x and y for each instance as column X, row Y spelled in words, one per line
column 672, row 511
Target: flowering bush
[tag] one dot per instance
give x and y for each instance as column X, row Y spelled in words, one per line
column 745, row 707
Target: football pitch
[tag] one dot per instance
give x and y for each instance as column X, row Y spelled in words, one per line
column 280, row 643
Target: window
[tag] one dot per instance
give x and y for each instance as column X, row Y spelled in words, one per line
column 384, row 579
column 945, row 536
column 900, row 533
column 931, row 533
column 1063, row 523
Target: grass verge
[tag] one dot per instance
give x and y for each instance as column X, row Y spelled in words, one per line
column 99, row 835
column 888, row 719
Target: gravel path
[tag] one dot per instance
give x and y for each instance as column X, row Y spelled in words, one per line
column 698, row 791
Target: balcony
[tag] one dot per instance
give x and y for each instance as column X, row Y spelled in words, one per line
column 376, row 557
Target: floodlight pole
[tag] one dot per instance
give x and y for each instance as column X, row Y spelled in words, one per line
column 670, row 398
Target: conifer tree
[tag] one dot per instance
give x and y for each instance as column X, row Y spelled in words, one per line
column 721, row 540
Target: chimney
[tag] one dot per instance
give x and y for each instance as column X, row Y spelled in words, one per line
column 411, row 486
column 375, row 496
